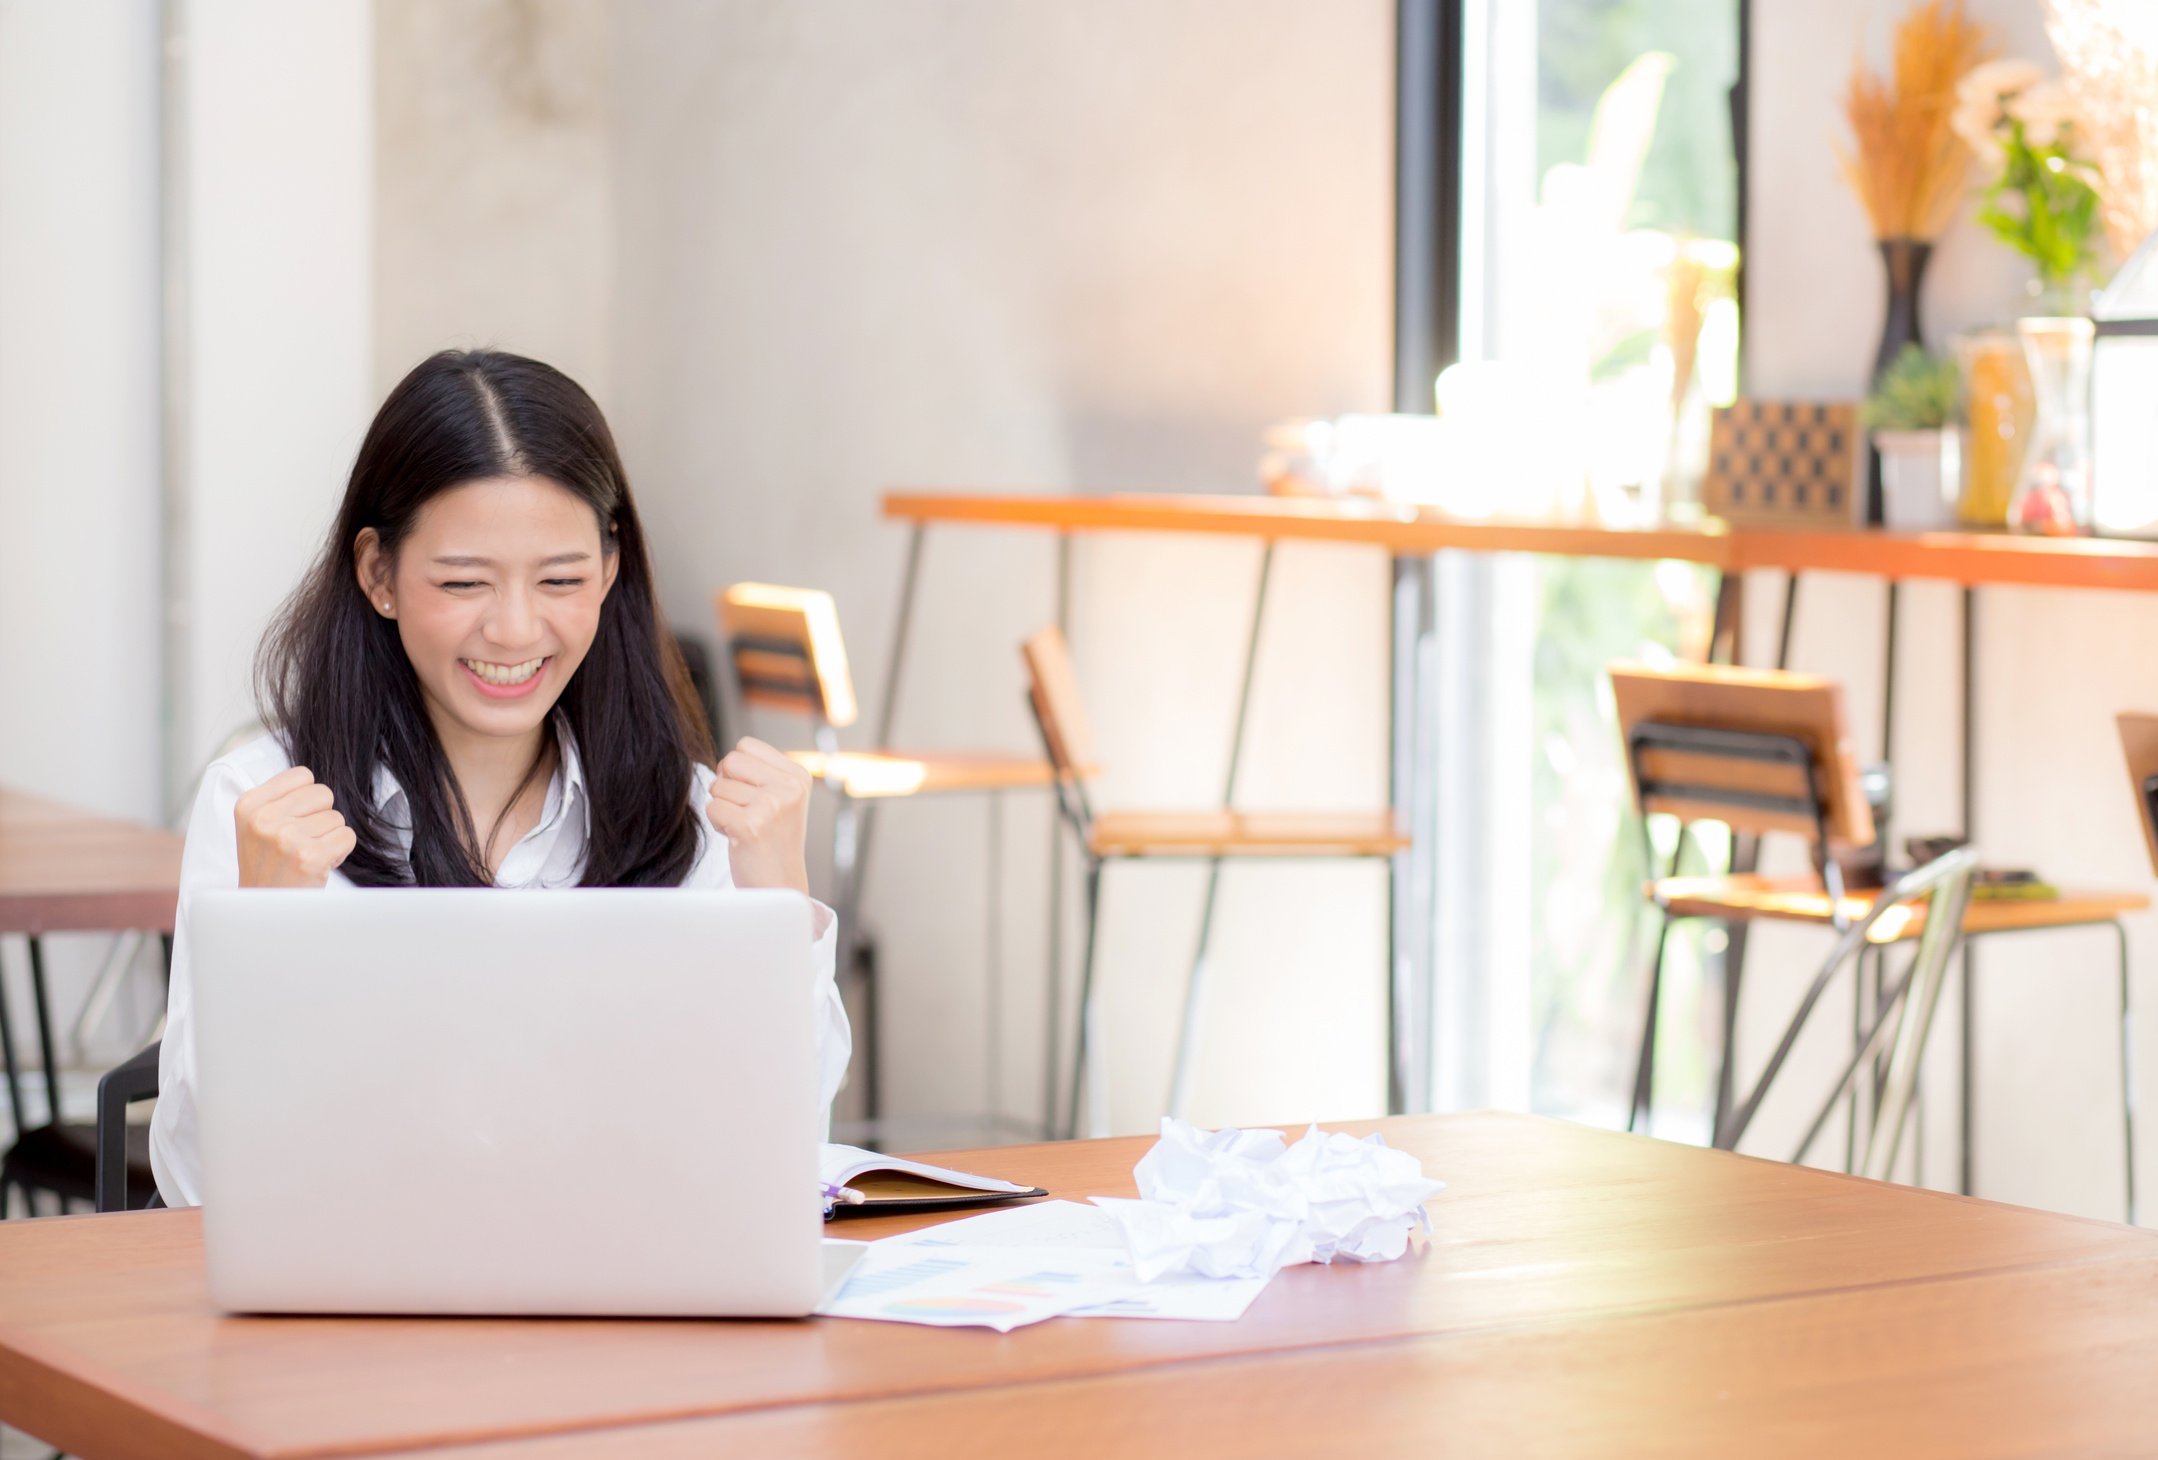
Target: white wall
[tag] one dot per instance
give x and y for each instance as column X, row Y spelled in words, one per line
column 274, row 271
column 79, row 401
column 981, row 246
column 2053, row 667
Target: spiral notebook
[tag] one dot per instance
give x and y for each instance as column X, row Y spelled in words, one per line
column 892, row 1183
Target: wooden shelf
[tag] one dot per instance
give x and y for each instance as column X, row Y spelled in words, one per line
column 1972, row 558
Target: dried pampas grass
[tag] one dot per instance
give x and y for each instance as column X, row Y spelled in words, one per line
column 1908, row 166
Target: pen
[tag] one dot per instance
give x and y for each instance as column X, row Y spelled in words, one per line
column 844, row 1195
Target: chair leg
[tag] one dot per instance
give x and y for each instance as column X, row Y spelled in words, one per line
column 1187, row 1031
column 2128, row 1075
column 1644, row 1076
column 1867, row 959
column 41, row 999
column 1727, row 1064
column 993, row 961
column 847, row 907
column 1920, row 1003
column 1086, row 1058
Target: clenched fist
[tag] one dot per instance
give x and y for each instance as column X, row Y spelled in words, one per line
column 760, row 804
column 290, row 832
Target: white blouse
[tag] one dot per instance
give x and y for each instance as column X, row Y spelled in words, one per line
column 550, row 855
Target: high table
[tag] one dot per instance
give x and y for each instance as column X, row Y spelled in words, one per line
column 66, row 870
column 1582, row 1293
column 1412, row 535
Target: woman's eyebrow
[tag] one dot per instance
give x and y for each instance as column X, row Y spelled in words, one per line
column 459, row 560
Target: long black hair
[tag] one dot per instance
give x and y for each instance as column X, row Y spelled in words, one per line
column 332, row 678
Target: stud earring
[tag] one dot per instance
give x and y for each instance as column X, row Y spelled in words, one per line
column 385, row 605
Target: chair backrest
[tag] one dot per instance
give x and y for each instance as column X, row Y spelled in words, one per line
column 786, row 652
column 1054, row 687
column 1758, row 749
column 2139, row 743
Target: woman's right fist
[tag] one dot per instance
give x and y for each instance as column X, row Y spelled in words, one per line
column 290, row 832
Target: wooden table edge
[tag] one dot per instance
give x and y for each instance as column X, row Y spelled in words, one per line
column 1967, row 558
column 215, row 1437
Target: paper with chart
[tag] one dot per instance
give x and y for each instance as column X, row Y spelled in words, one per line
column 951, row 1286
column 1067, row 1226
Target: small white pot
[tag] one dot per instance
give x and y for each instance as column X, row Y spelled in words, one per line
column 1921, row 477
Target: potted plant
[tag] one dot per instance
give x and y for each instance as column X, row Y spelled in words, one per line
column 1910, row 415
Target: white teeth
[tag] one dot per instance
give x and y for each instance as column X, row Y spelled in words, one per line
column 504, row 674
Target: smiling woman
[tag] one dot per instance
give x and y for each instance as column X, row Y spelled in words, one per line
column 471, row 687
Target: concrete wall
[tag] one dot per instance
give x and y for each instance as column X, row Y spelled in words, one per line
column 980, row 246
column 493, row 220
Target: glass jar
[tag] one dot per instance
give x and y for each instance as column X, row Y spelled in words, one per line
column 1997, row 412
column 2053, row 491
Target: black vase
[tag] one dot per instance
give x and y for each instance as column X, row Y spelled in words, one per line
column 1904, row 259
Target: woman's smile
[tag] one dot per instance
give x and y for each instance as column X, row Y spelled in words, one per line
column 506, row 681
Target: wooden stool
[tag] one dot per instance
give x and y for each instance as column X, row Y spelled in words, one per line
column 1211, row 836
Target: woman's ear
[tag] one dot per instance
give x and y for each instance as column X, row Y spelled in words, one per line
column 371, row 565
column 610, row 563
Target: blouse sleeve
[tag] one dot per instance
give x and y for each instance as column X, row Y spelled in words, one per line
column 211, row 859
column 835, row 1037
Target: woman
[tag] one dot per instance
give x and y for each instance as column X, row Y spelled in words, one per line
column 471, row 687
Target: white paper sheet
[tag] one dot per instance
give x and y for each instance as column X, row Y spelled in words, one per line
column 1069, row 1226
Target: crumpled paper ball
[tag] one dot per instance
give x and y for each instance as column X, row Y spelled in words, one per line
column 1236, row 1203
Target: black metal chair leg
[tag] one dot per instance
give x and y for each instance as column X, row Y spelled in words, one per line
column 1086, row 1043
column 1644, row 1077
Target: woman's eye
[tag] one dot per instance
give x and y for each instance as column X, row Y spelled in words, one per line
column 457, row 587
column 565, row 582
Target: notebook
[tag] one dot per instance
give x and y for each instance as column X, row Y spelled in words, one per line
column 889, row 1183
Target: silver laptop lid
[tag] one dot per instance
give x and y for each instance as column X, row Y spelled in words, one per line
column 484, row 1101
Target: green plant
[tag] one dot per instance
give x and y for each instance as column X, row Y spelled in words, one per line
column 2055, row 219
column 2043, row 201
column 1917, row 392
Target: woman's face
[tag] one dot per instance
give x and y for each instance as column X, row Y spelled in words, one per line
column 496, row 592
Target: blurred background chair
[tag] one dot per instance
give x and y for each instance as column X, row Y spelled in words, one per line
column 786, row 654
column 1211, row 836
column 121, row 1186
column 1766, row 751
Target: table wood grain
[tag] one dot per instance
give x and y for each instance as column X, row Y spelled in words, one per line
column 2051, row 1361
column 108, row 1343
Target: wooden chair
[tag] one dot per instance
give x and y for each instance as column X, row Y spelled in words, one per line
column 787, row 654
column 1212, row 836
column 1768, row 752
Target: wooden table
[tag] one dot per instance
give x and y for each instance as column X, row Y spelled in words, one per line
column 66, row 870
column 1583, row 1293
column 1411, row 535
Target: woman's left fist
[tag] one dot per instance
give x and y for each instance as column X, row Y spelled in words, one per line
column 760, row 804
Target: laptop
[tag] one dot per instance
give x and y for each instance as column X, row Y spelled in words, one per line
column 510, row 1102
